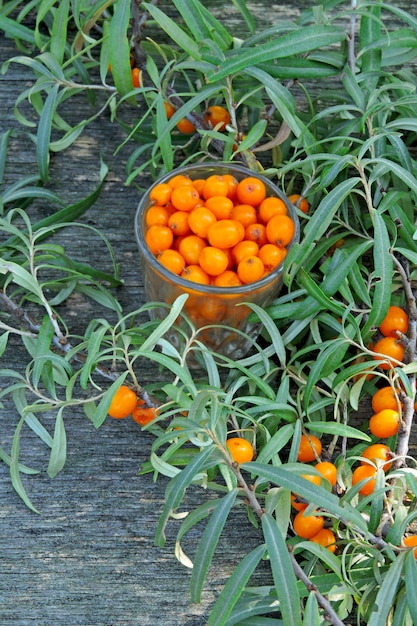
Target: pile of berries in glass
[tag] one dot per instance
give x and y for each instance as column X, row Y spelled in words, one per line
column 220, row 233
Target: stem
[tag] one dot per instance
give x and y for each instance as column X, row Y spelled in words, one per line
column 351, row 35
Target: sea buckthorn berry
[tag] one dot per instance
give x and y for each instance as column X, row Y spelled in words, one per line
column 245, row 214
column 217, row 117
column 212, row 310
column 280, row 230
column 214, row 261
column 272, row 256
column 123, row 402
column 199, row 183
column 232, row 183
column 160, row 194
column 240, row 449
column 385, row 424
column 251, row 190
column 310, row 448
column 256, row 232
column 326, row 538
column 185, row 198
column 250, row 269
column 179, row 180
column 327, row 470
column 271, row 206
column 195, row 274
column 379, row 454
column 363, row 472
column 299, row 201
column 190, row 248
column 298, row 503
column 157, row 215
column 306, row 526
column 225, row 233
column 179, row 224
column 312, row 478
column 200, row 220
column 385, row 398
column 244, row 249
column 229, row 278
column 136, row 77
column 169, row 109
column 185, row 126
column 396, row 320
column 215, row 185
column 159, row 238
column 410, row 542
column 172, row 260
column 221, row 206
column 390, row 348
column 144, row 415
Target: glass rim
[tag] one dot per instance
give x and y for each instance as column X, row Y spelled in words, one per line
column 189, row 285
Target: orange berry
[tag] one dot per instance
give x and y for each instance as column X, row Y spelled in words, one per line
column 307, row 526
column 240, row 449
column 251, row 190
column 363, row 472
column 379, row 454
column 229, row 279
column 179, row 223
column 221, row 206
column 136, row 77
column 297, row 503
column 179, row 180
column 172, row 260
column 250, row 269
column 256, row 232
column 232, row 185
column 157, row 215
column 212, row 311
column 245, row 214
column 312, row 478
column 190, row 248
column 326, row 538
column 185, row 126
column 123, row 403
column 195, row 274
column 225, row 233
column 243, row 249
column 280, row 230
column 144, row 415
column 159, row 238
column 328, row 470
column 214, row 261
column 310, row 448
column 385, row 424
column 385, row 398
column 215, row 185
column 272, row 256
column 217, row 117
column 390, row 348
column 199, row 183
column 299, row 201
column 200, row 220
column 185, row 198
column 410, row 542
column 271, row 206
column 396, row 320
column 169, row 109
column 160, row 194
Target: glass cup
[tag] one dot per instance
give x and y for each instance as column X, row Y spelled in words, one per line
column 218, row 313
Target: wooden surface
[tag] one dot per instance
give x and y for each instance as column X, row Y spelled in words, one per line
column 89, row 558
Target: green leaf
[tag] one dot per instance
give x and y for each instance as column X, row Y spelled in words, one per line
column 15, row 465
column 92, row 349
column 311, row 611
column 234, row 588
column 411, row 584
column 341, row 430
column 385, row 598
column 282, row 572
column 59, row 30
column 208, row 544
column 59, row 447
column 175, row 32
column 202, row 23
column 299, row 41
column 274, row 334
column 176, row 489
column 100, row 413
column 43, row 136
column 119, row 49
column 166, row 324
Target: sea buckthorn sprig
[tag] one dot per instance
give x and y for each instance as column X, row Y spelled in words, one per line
column 218, row 231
